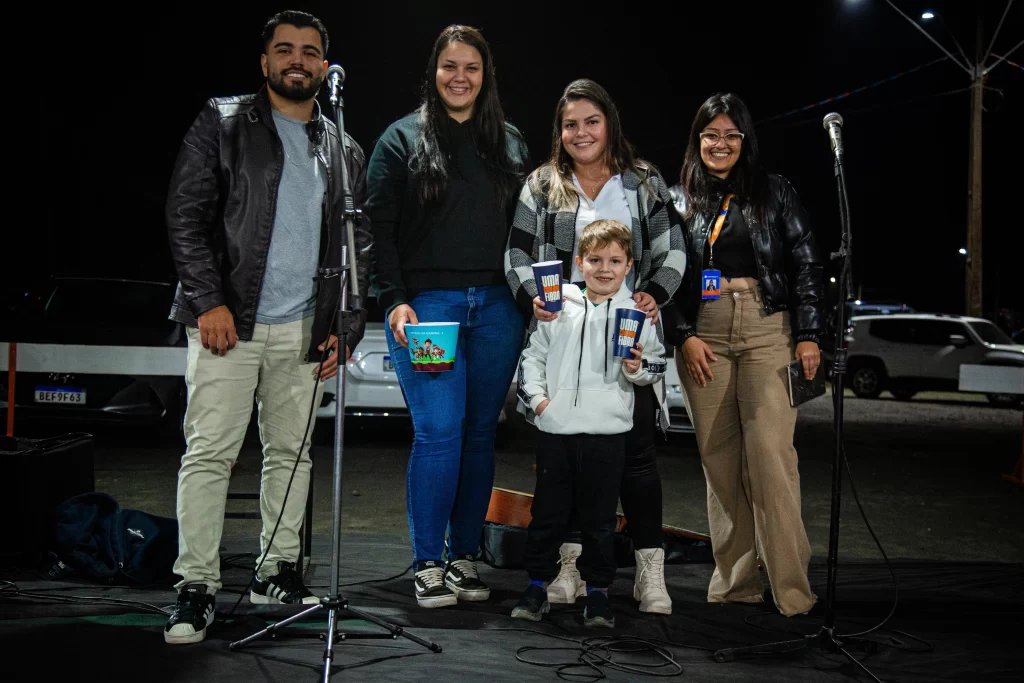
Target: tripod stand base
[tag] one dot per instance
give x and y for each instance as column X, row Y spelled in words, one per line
column 333, row 606
column 824, row 640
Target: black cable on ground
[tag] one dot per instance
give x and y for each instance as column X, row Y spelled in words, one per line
column 366, row 581
column 596, row 654
column 888, row 565
column 10, row 590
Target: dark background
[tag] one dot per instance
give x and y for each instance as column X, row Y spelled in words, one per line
column 135, row 82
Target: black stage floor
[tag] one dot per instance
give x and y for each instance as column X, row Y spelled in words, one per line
column 967, row 615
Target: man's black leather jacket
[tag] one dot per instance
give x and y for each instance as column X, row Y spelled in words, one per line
column 789, row 271
column 220, row 215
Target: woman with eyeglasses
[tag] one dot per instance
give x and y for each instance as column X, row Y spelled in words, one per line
column 593, row 174
column 752, row 303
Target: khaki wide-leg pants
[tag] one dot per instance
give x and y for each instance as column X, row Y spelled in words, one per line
column 220, row 395
column 744, row 426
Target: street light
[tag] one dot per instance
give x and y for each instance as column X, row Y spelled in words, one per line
column 977, row 71
column 963, row 252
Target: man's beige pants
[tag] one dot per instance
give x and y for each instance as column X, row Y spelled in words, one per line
column 744, row 426
column 220, row 396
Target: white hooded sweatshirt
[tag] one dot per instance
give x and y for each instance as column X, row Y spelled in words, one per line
column 570, row 362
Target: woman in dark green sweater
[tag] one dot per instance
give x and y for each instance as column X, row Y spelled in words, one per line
column 441, row 186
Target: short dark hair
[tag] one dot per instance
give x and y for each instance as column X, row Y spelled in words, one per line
column 298, row 20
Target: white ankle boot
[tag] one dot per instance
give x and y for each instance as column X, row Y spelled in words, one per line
column 649, row 587
column 568, row 585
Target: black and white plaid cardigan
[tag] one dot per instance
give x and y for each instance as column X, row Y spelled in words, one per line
column 538, row 234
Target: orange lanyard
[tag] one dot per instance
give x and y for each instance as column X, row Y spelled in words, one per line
column 719, row 222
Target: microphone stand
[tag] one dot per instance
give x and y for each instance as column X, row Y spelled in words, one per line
column 334, row 601
column 826, row 639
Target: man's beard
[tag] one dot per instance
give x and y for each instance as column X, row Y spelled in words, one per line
column 295, row 92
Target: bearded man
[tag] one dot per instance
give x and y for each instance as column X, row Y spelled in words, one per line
column 254, row 217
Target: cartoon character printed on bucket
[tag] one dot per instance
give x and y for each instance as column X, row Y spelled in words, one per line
column 431, row 355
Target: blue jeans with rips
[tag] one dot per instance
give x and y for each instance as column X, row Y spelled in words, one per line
column 455, row 416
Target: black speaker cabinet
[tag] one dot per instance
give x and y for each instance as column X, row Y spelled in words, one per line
column 38, row 475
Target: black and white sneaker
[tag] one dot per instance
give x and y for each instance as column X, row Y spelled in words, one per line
column 431, row 590
column 192, row 613
column 285, row 587
column 461, row 576
column 598, row 611
column 533, row 605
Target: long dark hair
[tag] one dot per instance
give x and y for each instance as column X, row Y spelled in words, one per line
column 747, row 177
column 488, row 124
column 619, row 154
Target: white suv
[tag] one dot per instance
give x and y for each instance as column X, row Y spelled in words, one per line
column 909, row 352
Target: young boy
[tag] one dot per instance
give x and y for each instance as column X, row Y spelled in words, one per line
column 582, row 396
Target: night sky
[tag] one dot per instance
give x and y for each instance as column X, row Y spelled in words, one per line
column 127, row 88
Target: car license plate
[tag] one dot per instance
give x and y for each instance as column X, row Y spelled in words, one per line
column 388, row 365
column 60, row 395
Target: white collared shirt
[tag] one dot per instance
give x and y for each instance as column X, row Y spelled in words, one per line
column 610, row 204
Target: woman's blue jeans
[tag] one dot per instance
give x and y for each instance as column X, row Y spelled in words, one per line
column 455, row 416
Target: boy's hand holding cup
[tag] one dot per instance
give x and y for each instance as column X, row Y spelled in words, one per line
column 633, row 364
column 548, row 301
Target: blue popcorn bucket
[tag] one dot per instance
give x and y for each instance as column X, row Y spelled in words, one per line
column 432, row 346
column 629, row 322
column 549, row 284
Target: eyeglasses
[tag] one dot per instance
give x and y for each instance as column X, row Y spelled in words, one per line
column 712, row 139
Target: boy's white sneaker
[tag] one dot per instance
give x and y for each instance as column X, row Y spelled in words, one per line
column 568, row 585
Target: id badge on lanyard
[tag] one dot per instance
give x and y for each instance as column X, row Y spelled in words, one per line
column 711, row 278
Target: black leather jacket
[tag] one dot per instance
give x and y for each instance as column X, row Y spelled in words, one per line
column 789, row 270
column 220, row 215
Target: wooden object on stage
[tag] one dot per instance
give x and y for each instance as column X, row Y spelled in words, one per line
column 508, row 507
column 512, row 508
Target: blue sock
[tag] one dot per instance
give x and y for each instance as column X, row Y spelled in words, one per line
column 591, row 589
column 535, row 582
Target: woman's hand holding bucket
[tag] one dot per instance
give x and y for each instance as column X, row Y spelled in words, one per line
column 402, row 315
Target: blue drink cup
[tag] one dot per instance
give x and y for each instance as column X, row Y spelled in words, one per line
column 549, row 284
column 629, row 322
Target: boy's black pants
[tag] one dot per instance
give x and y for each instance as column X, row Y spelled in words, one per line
column 640, row 491
column 578, row 477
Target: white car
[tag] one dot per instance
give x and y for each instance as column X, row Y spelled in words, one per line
column 372, row 390
column 906, row 353
column 82, row 363
column 371, row 386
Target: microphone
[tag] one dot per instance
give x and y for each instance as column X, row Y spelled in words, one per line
column 335, row 77
column 833, row 123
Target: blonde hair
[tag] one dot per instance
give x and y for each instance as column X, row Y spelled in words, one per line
column 604, row 232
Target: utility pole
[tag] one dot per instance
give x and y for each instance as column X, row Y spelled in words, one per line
column 974, row 303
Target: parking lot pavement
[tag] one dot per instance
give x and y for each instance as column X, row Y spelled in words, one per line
column 927, row 471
